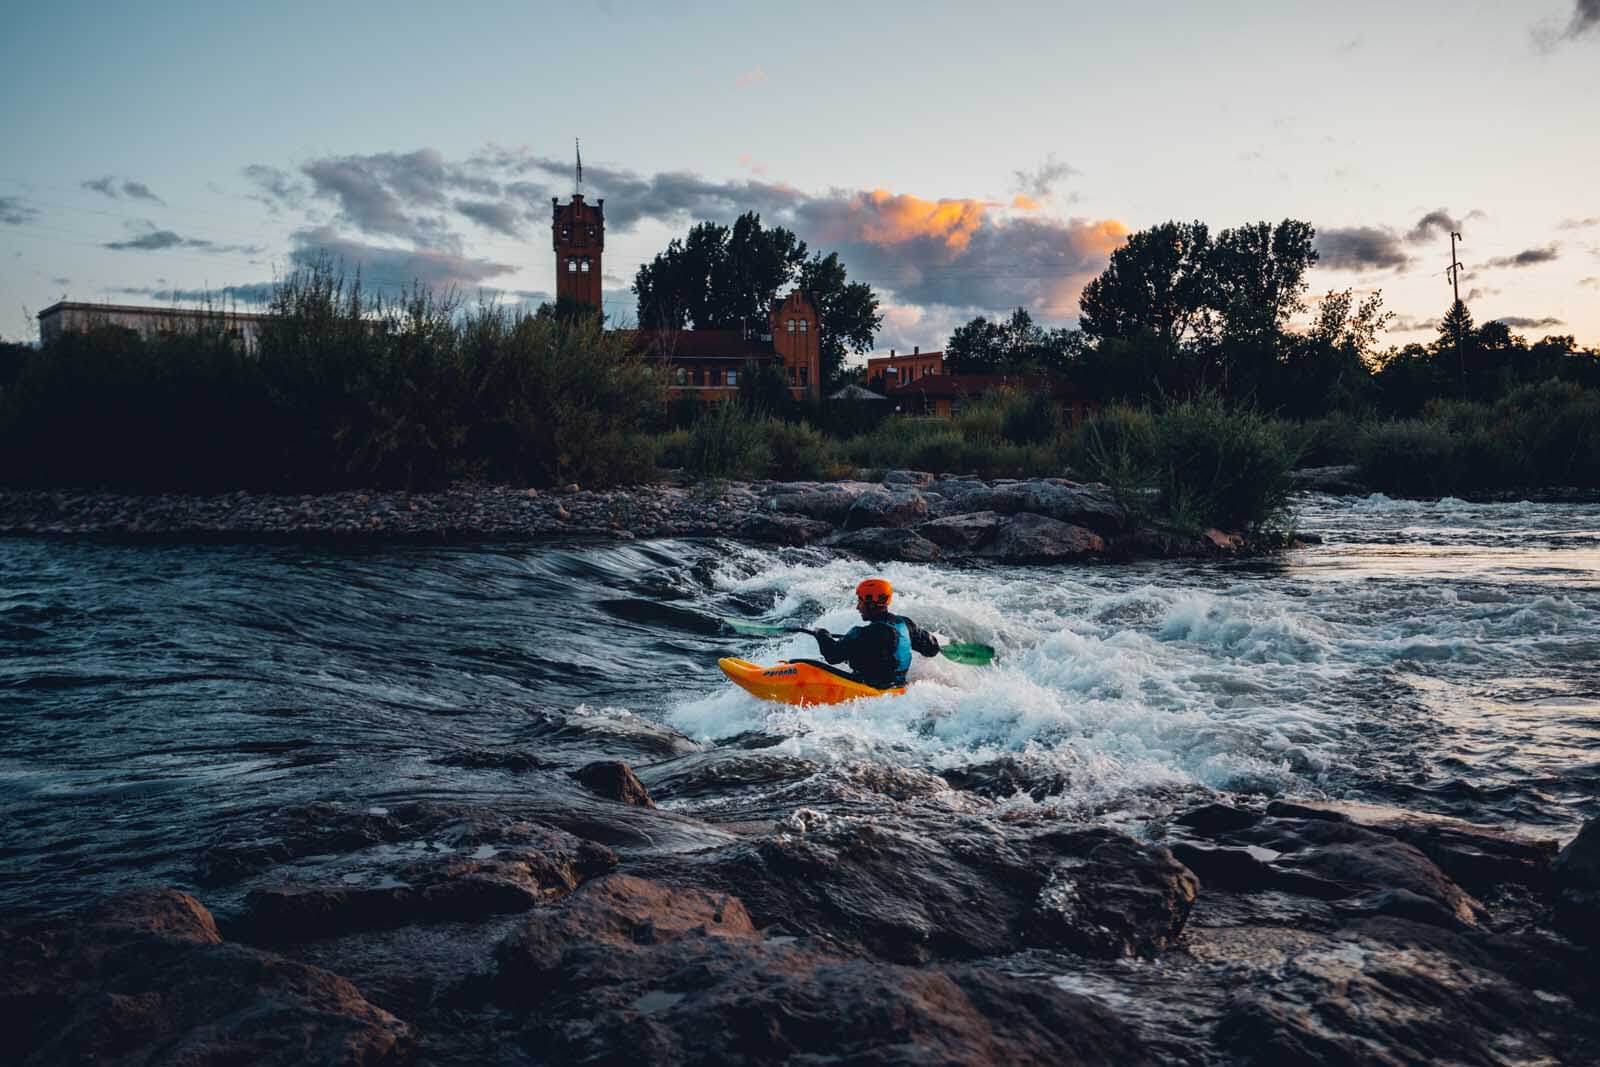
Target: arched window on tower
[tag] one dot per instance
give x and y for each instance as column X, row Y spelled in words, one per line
column 791, row 326
column 572, row 265
column 585, row 267
column 804, row 325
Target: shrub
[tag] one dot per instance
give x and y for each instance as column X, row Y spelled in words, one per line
column 1199, row 463
column 728, row 442
column 343, row 389
column 798, row 451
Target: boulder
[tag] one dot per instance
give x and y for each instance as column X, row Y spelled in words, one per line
column 1392, row 992
column 620, row 913
column 1211, row 819
column 1080, row 505
column 146, row 979
column 963, row 533
column 1336, row 852
column 547, row 865
column 614, row 780
column 828, row 503
column 917, row 479
column 792, row 530
column 954, row 891
column 892, row 508
column 1122, row 898
column 1028, row 537
column 629, row 970
column 883, row 543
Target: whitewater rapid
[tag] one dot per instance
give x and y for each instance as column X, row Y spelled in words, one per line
column 1340, row 669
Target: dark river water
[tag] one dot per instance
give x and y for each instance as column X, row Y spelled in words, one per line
column 1435, row 655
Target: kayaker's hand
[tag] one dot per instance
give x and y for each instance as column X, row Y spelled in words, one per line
column 821, row 634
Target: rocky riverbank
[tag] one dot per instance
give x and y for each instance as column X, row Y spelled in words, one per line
column 908, row 515
column 579, row 918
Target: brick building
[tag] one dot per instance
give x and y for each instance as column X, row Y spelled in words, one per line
column 72, row 317
column 884, row 372
column 706, row 363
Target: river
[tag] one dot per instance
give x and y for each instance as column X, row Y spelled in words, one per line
column 1435, row 655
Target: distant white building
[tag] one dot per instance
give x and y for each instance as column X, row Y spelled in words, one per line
column 72, row 317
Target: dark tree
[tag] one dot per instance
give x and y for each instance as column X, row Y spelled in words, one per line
column 1457, row 337
column 1017, row 345
column 1260, row 277
column 1159, row 283
column 721, row 277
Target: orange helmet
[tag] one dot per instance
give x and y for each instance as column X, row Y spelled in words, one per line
column 875, row 591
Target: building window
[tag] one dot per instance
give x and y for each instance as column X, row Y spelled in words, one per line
column 683, row 376
column 791, row 375
column 591, row 232
column 804, row 325
column 566, row 233
column 790, row 325
column 733, row 377
column 585, row 265
column 805, row 377
column 572, row 266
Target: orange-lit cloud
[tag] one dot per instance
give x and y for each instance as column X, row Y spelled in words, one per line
column 749, row 78
column 889, row 218
column 1024, row 202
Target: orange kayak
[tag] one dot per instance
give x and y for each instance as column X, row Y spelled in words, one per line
column 798, row 682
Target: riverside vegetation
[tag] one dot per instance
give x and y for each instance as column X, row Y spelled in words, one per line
column 348, row 390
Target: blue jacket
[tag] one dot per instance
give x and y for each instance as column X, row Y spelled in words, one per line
column 879, row 651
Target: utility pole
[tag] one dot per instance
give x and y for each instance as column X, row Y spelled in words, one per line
column 1455, row 268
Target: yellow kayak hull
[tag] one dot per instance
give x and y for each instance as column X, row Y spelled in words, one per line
column 797, row 683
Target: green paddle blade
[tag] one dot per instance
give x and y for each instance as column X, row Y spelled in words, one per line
column 758, row 629
column 974, row 655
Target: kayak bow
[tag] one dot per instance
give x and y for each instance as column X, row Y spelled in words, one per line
column 798, row 682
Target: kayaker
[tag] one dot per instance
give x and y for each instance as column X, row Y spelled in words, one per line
column 879, row 650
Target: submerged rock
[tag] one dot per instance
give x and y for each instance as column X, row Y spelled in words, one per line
column 1577, row 881
column 614, row 780
column 146, row 979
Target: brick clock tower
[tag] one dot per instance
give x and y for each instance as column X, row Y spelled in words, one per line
column 578, row 231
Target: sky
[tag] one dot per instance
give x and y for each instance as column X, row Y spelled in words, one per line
column 964, row 159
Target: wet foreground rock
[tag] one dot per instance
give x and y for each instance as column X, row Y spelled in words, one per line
column 149, row 980
column 631, row 970
column 953, row 922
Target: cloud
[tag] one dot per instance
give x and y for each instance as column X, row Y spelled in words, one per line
column 1530, row 257
column 151, row 239
column 1360, row 248
column 60, row 281
column 494, row 215
column 1594, row 282
column 752, row 164
column 278, row 188
column 13, row 212
column 952, row 251
column 749, row 78
column 109, row 186
column 1585, row 17
column 1479, row 294
column 1438, row 222
column 1580, row 224
column 1040, row 182
column 395, row 269
column 141, row 191
column 1404, row 324
column 1529, row 324
column 247, row 293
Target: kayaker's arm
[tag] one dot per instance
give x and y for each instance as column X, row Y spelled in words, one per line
column 832, row 648
column 921, row 640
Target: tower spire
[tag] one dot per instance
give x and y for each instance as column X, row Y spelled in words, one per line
column 578, row 149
